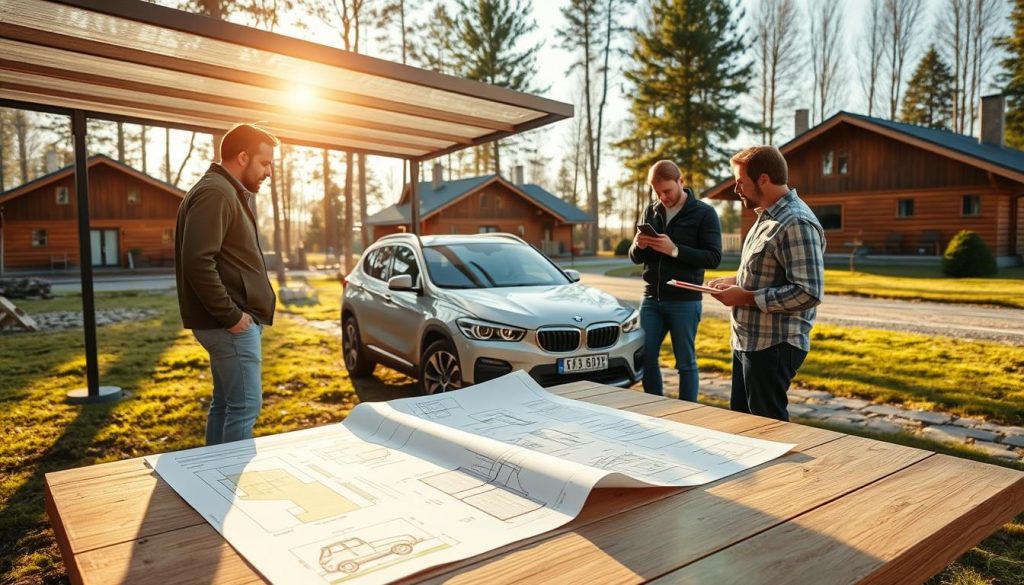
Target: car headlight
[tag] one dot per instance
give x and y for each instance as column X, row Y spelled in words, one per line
column 632, row 323
column 484, row 331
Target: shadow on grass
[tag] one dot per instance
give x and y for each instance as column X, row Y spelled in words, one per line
column 137, row 349
column 385, row 384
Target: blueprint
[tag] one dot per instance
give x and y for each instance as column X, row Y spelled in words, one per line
column 405, row 485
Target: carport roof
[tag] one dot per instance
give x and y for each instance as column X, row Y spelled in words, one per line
column 131, row 60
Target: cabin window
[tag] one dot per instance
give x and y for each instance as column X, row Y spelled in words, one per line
column 483, row 200
column 905, row 208
column 844, row 163
column 133, row 195
column 39, row 239
column 168, row 236
column 971, row 205
column 521, row 230
column 826, row 163
column 488, row 229
column 63, row 195
column 497, row 201
column 455, row 229
column 829, row 216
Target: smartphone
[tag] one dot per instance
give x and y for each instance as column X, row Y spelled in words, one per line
column 647, row 229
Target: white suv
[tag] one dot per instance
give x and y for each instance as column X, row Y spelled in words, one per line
column 455, row 310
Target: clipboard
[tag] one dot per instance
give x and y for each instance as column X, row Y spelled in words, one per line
column 691, row 286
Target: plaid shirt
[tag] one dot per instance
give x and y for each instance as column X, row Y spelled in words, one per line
column 783, row 263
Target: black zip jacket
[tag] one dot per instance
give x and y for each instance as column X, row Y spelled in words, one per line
column 697, row 233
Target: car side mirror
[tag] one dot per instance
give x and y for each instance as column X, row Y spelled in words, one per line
column 573, row 275
column 401, row 282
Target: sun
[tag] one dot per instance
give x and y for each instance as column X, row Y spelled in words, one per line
column 301, row 97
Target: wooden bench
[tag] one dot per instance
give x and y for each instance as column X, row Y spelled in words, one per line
column 836, row 509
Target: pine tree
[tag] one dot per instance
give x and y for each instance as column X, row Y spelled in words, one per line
column 928, row 100
column 486, row 45
column 690, row 68
column 1013, row 77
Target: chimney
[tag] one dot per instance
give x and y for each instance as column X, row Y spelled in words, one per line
column 437, row 179
column 518, row 175
column 51, row 161
column 993, row 120
column 802, row 122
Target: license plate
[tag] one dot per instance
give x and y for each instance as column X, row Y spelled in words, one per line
column 583, row 363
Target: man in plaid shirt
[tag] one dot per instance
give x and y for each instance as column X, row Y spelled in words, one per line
column 780, row 281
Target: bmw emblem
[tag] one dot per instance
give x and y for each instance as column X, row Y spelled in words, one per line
column 577, row 318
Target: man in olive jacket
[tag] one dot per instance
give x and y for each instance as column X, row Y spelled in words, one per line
column 688, row 240
column 224, row 294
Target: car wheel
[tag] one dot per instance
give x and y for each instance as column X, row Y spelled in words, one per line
column 439, row 368
column 348, row 567
column 356, row 361
column 402, row 548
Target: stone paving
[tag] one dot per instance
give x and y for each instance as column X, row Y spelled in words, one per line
column 60, row 320
column 1003, row 442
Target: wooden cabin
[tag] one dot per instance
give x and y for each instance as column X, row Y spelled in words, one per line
column 128, row 210
column 486, row 204
column 902, row 189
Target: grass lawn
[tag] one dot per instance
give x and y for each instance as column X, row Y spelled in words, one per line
column 913, row 282
column 966, row 378
column 305, row 384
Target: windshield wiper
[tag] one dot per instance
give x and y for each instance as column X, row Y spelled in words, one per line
column 486, row 274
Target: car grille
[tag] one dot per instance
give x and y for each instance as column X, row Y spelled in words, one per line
column 600, row 337
column 559, row 340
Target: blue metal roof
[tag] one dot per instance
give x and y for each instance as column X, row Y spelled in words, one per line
column 433, row 200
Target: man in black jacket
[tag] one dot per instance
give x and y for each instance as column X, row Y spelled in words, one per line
column 689, row 240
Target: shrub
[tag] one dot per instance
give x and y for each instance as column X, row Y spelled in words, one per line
column 968, row 255
column 622, row 248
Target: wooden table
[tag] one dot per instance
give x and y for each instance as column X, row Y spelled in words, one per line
column 838, row 509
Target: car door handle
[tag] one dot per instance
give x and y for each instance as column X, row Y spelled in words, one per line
column 387, row 299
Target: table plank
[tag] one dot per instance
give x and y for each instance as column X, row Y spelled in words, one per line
column 902, row 529
column 195, row 555
column 669, row 533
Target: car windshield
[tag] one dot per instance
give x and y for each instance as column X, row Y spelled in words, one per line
column 489, row 265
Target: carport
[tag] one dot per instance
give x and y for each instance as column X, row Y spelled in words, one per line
column 134, row 62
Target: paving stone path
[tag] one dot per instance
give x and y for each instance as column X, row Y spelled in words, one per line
column 1003, row 442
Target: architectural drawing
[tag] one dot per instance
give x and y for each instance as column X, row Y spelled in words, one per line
column 490, row 485
column 409, row 484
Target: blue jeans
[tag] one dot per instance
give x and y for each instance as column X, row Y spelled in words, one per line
column 760, row 380
column 681, row 319
column 235, row 361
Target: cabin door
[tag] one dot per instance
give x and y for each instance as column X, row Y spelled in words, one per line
column 104, row 247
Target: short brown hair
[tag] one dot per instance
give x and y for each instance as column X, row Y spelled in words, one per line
column 664, row 170
column 245, row 137
column 763, row 160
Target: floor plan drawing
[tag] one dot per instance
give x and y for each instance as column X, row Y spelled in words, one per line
column 489, row 485
column 408, row 484
column 558, row 411
column 436, row 409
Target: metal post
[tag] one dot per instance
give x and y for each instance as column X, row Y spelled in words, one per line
column 92, row 393
column 1, row 240
column 414, row 196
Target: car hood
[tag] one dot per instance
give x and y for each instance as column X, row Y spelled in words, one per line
column 531, row 307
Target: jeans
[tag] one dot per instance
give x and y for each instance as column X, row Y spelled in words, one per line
column 760, row 379
column 681, row 319
column 235, row 360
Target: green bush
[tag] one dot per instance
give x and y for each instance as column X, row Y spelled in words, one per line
column 622, row 248
column 968, row 255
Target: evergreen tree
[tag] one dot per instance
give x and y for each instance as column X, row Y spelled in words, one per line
column 486, row 45
column 1013, row 77
column 690, row 68
column 928, row 100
